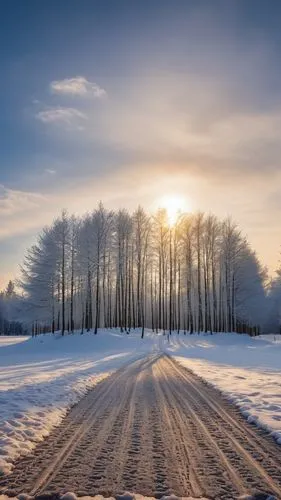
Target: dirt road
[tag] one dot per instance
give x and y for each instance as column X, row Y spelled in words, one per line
column 152, row 428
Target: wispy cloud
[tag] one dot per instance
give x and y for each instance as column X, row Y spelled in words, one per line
column 60, row 114
column 13, row 202
column 78, row 86
column 50, row 171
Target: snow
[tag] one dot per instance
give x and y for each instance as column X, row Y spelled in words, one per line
column 40, row 378
column 125, row 496
column 273, row 337
column 9, row 340
column 133, row 496
column 246, row 369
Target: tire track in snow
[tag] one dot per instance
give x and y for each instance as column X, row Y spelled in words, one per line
column 154, row 428
column 253, row 452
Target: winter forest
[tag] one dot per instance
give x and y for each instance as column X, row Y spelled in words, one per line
column 115, row 269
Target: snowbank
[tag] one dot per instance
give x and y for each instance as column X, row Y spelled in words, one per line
column 245, row 369
column 42, row 377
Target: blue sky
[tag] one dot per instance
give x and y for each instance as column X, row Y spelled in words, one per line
column 128, row 101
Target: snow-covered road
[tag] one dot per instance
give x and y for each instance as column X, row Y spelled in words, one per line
column 41, row 378
column 153, row 428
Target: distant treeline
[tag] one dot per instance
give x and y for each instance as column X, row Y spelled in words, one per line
column 7, row 303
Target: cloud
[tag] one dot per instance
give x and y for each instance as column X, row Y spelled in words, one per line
column 205, row 123
column 60, row 115
column 193, row 122
column 50, row 171
column 13, row 202
column 78, row 86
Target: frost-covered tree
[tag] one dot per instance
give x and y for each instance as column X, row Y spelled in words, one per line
column 10, row 311
column 273, row 310
column 120, row 270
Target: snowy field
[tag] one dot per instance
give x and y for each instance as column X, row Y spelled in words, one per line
column 247, row 370
column 10, row 340
column 41, row 377
column 272, row 338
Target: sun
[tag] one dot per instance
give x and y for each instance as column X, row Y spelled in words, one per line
column 174, row 205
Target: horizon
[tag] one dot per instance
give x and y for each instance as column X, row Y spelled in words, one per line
column 136, row 103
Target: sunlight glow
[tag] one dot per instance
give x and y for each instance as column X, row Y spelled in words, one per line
column 175, row 205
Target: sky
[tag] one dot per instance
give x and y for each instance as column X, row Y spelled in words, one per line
column 127, row 102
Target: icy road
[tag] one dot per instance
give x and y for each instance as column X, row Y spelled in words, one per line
column 154, row 428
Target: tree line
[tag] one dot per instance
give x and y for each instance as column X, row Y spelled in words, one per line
column 8, row 306
column 116, row 269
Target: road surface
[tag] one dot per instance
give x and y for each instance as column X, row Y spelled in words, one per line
column 156, row 429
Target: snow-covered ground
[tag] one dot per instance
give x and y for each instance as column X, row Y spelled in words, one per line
column 125, row 496
column 247, row 370
column 43, row 376
column 9, row 340
column 271, row 337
